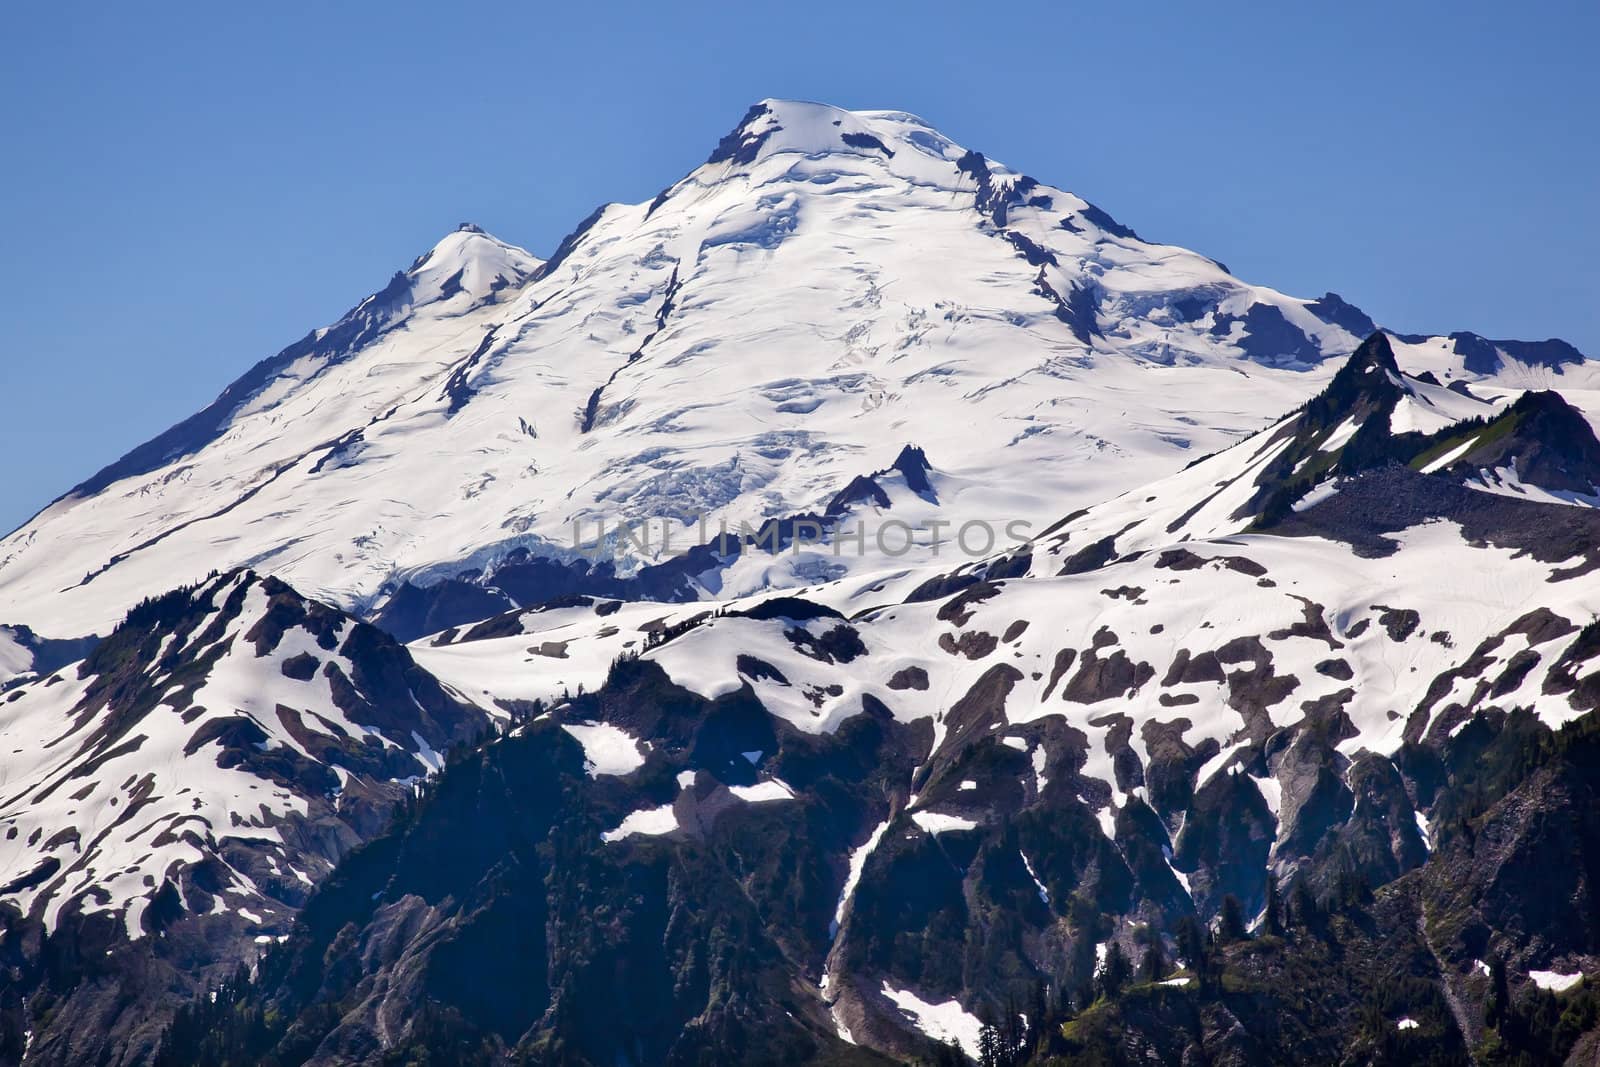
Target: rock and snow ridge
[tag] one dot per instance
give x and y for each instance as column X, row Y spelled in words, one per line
column 771, row 327
column 221, row 749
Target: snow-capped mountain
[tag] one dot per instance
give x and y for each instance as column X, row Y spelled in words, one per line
column 745, row 797
column 828, row 287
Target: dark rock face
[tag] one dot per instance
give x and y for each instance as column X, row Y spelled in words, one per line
column 75, row 978
column 741, row 146
column 984, row 873
column 865, row 140
column 1268, row 336
column 1333, row 308
column 1541, row 438
column 433, row 932
column 497, row 917
column 1484, row 356
column 1544, row 439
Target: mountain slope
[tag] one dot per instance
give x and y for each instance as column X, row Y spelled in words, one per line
column 167, row 803
column 774, row 325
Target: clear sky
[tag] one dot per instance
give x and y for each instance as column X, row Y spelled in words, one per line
column 184, row 191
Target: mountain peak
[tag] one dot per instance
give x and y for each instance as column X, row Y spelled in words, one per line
column 1374, row 352
column 1539, row 443
column 772, row 127
column 1370, row 381
column 469, row 260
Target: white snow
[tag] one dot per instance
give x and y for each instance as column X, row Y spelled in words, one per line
column 1044, row 894
column 946, row 1022
column 771, row 789
column 748, row 404
column 1506, row 481
column 649, row 822
column 1555, row 981
column 1450, row 457
column 1272, row 793
column 858, row 862
column 15, row 659
column 1107, row 818
column 1405, row 1024
column 163, row 802
column 936, row 823
column 1183, row 879
column 1422, row 828
column 607, row 749
column 1325, row 491
column 1341, row 435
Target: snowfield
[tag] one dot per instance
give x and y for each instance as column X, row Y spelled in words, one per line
column 778, row 322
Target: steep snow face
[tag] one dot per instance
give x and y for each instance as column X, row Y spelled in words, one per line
column 15, row 657
column 223, row 747
column 828, row 287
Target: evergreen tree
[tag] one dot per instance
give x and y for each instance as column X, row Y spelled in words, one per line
column 1191, row 944
column 989, row 1047
column 1304, row 906
column 1011, row 1035
column 1039, row 1013
column 1273, row 921
column 1154, row 965
column 1084, row 997
column 1497, row 1006
column 1116, row 972
column 1233, row 928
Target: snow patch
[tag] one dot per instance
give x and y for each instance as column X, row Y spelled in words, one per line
column 1554, row 981
column 606, row 748
column 944, row 1022
column 937, row 823
column 1044, row 894
column 1422, row 828
column 858, row 861
column 648, row 822
column 761, row 792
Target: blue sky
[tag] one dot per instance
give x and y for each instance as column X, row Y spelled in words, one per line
column 184, row 192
